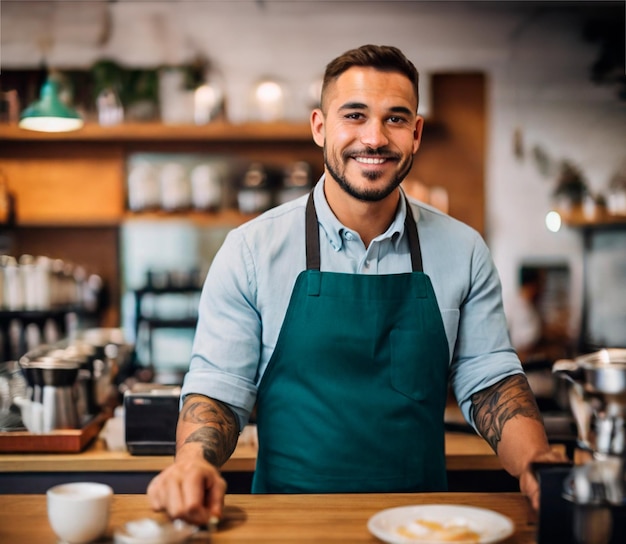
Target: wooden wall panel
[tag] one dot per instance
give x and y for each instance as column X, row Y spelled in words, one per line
column 64, row 183
column 452, row 153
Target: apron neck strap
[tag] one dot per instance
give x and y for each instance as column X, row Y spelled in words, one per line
column 410, row 227
column 313, row 261
column 312, row 236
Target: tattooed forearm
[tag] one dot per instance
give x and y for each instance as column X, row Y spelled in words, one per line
column 494, row 406
column 214, row 448
column 217, row 429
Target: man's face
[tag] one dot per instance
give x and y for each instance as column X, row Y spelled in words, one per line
column 369, row 131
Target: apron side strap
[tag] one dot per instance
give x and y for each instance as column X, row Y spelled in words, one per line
column 313, row 260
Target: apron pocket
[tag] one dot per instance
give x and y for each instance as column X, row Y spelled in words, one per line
column 414, row 362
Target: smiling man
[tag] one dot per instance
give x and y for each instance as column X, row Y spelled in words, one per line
column 344, row 316
column 369, row 129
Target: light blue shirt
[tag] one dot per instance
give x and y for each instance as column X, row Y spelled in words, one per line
column 249, row 285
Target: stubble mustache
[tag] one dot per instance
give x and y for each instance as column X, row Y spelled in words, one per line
column 375, row 153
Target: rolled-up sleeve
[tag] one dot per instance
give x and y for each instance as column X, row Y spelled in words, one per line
column 483, row 354
column 225, row 354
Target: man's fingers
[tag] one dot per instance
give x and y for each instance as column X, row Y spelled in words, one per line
column 216, row 499
column 191, row 493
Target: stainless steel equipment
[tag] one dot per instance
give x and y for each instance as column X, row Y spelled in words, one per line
column 597, row 489
column 54, row 378
column 108, row 354
column 72, row 381
column 598, row 399
column 12, row 385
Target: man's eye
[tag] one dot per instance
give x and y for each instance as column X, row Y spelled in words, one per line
column 397, row 120
column 355, row 115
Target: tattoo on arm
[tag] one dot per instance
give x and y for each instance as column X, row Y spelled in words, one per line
column 494, row 406
column 219, row 428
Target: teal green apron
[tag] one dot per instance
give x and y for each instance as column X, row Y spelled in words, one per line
column 354, row 394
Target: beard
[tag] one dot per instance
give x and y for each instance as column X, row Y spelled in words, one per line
column 368, row 194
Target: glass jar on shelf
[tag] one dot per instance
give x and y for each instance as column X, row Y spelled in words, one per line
column 297, row 181
column 255, row 191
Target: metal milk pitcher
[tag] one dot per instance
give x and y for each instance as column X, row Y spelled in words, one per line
column 59, row 400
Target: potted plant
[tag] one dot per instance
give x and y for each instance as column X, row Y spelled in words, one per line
column 571, row 188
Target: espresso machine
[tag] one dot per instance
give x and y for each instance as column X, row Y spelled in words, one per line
column 586, row 503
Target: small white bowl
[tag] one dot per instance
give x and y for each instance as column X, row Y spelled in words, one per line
column 149, row 531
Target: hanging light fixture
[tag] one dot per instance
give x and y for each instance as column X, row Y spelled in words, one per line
column 49, row 113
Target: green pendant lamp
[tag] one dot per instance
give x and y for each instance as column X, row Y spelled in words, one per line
column 49, row 113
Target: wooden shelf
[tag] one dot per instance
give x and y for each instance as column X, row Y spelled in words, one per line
column 576, row 217
column 218, row 131
column 67, row 223
column 220, row 218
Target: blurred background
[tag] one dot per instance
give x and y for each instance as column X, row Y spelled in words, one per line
column 196, row 118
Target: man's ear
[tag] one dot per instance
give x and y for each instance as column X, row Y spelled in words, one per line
column 417, row 133
column 317, row 127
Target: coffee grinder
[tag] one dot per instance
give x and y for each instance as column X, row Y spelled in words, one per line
column 586, row 504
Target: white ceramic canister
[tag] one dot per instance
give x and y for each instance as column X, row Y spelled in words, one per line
column 206, row 187
column 43, row 272
column 28, row 279
column 13, row 286
column 175, row 187
column 144, row 190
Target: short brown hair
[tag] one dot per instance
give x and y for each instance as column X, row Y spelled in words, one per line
column 385, row 58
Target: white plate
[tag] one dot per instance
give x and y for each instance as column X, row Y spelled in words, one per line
column 388, row 525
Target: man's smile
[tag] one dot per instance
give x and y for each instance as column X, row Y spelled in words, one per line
column 370, row 160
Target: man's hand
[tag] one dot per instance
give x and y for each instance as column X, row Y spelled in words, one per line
column 190, row 489
column 507, row 416
column 528, row 483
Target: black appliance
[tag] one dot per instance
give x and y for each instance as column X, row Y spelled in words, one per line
column 151, row 414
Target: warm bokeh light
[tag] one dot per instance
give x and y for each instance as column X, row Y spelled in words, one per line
column 553, row 221
column 269, row 92
column 268, row 101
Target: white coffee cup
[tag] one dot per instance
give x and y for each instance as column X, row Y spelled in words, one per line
column 79, row 512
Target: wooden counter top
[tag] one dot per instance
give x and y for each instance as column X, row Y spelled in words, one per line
column 272, row 519
column 98, row 458
column 463, row 452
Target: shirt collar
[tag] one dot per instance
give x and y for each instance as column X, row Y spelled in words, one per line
column 334, row 229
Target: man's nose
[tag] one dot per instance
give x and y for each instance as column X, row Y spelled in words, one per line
column 374, row 134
